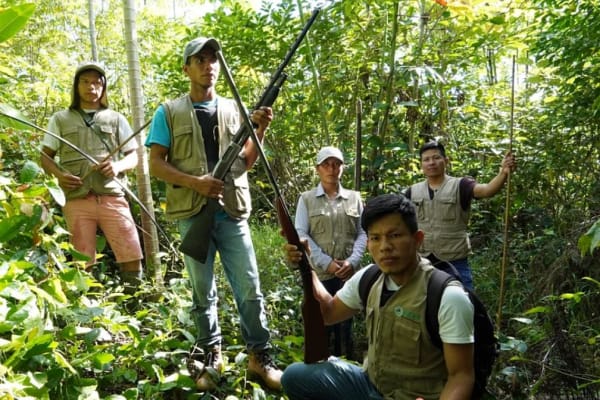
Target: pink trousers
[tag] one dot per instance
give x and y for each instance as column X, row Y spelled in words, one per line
column 112, row 215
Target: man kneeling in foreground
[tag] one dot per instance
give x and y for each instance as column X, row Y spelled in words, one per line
column 402, row 362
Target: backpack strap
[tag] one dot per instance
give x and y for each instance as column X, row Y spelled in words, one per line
column 435, row 288
column 366, row 282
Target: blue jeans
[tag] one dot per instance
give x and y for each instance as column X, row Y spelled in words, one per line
column 330, row 380
column 463, row 267
column 231, row 238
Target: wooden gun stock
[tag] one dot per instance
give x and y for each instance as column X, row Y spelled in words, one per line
column 315, row 334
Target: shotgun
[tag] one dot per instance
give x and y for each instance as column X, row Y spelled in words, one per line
column 197, row 240
column 315, row 334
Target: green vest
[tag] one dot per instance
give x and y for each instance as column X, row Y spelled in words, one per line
column 402, row 362
column 97, row 144
column 442, row 219
column 187, row 154
column 333, row 226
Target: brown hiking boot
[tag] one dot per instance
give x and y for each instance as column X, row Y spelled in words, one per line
column 261, row 364
column 205, row 367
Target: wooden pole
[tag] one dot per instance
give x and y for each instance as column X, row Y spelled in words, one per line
column 507, row 204
column 358, row 158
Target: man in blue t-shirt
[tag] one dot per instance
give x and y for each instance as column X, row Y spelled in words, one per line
column 187, row 137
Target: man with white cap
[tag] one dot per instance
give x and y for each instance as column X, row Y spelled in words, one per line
column 187, row 137
column 93, row 197
column 329, row 217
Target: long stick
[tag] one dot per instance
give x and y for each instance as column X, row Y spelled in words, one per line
column 358, row 158
column 507, row 204
column 118, row 148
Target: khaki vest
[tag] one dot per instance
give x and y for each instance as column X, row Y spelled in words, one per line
column 98, row 145
column 333, row 226
column 402, row 362
column 188, row 155
column 442, row 219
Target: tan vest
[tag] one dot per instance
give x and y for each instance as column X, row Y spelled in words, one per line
column 333, row 226
column 98, row 145
column 442, row 219
column 188, row 155
column 403, row 363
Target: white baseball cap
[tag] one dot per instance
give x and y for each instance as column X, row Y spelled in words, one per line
column 327, row 152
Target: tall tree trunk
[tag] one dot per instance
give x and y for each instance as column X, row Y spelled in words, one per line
column 92, row 29
column 150, row 235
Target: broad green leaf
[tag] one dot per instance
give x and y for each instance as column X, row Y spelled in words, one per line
column 77, row 255
column 60, row 360
column 56, row 192
column 100, row 243
column 590, row 279
column 100, row 360
column 572, row 296
column 54, row 288
column 537, row 310
column 41, row 344
column 591, row 240
column 497, row 20
column 8, row 115
column 11, row 226
column 30, row 171
column 16, row 290
column 38, row 379
column 13, row 19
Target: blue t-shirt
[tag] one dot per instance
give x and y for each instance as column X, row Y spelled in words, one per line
column 159, row 130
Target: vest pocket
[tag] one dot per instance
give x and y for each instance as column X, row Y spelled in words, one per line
column 180, row 199
column 67, row 153
column 352, row 221
column 183, row 137
column 108, row 130
column 318, row 221
column 404, row 337
column 447, row 206
column 236, row 196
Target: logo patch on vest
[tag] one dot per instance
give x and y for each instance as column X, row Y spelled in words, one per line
column 404, row 313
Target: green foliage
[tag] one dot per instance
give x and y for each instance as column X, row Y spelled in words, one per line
column 559, row 328
column 421, row 71
column 65, row 335
column 13, row 19
column 591, row 240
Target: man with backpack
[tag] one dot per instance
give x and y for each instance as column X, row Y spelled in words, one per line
column 403, row 362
